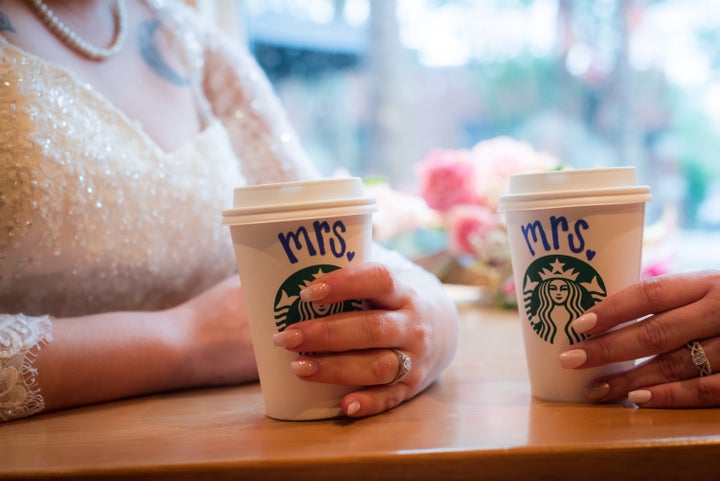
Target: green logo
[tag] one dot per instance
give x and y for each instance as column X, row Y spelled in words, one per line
column 557, row 290
column 289, row 308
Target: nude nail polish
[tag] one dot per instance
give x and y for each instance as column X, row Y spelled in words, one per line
column 315, row 292
column 639, row 396
column 585, row 322
column 572, row 359
column 597, row 391
column 303, row 367
column 289, row 338
column 352, row 408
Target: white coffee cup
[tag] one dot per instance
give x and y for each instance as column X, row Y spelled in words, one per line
column 575, row 237
column 284, row 236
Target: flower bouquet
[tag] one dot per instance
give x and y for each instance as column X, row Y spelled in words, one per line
column 463, row 186
column 451, row 225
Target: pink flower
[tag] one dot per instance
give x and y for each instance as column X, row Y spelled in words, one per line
column 464, row 187
column 498, row 158
column 655, row 269
column 468, row 225
column 447, row 179
column 509, row 287
column 399, row 212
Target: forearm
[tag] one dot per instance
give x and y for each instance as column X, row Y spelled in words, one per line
column 202, row 342
column 111, row 356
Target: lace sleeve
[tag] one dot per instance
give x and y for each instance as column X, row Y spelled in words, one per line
column 20, row 338
column 241, row 96
column 233, row 88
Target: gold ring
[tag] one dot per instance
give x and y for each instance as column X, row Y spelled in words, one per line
column 404, row 365
column 698, row 357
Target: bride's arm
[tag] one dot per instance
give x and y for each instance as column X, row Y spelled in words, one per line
column 103, row 357
column 109, row 356
column 241, row 96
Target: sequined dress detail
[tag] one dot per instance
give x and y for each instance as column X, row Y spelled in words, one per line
column 96, row 217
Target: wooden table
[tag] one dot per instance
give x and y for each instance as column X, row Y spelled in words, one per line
column 478, row 422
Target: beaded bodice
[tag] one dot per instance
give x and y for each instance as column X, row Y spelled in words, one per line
column 95, row 216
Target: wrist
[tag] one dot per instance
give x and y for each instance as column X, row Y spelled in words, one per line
column 183, row 342
column 212, row 350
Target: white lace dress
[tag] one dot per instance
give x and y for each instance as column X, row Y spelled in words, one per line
column 95, row 217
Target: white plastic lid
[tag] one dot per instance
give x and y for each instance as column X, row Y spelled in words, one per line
column 298, row 200
column 570, row 188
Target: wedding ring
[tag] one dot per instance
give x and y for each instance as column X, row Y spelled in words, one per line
column 404, row 365
column 698, row 357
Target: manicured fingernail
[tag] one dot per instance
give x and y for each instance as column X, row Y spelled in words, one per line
column 352, row 408
column 315, row 292
column 585, row 322
column 597, row 391
column 303, row 367
column 640, row 396
column 289, row 338
column 572, row 359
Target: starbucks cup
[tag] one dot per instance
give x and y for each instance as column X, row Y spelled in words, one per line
column 285, row 235
column 575, row 238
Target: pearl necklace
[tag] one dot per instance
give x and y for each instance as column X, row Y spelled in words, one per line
column 74, row 41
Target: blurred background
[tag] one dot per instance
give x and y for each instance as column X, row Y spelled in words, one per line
column 373, row 86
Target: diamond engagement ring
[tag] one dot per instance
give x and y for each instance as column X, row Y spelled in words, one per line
column 698, row 357
column 404, row 365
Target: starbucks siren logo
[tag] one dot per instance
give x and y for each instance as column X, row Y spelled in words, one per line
column 289, row 308
column 557, row 290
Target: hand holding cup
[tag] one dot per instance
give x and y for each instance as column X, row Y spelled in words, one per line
column 389, row 352
column 333, row 332
column 678, row 335
column 575, row 238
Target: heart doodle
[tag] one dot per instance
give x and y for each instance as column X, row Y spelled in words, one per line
column 590, row 254
column 350, row 255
